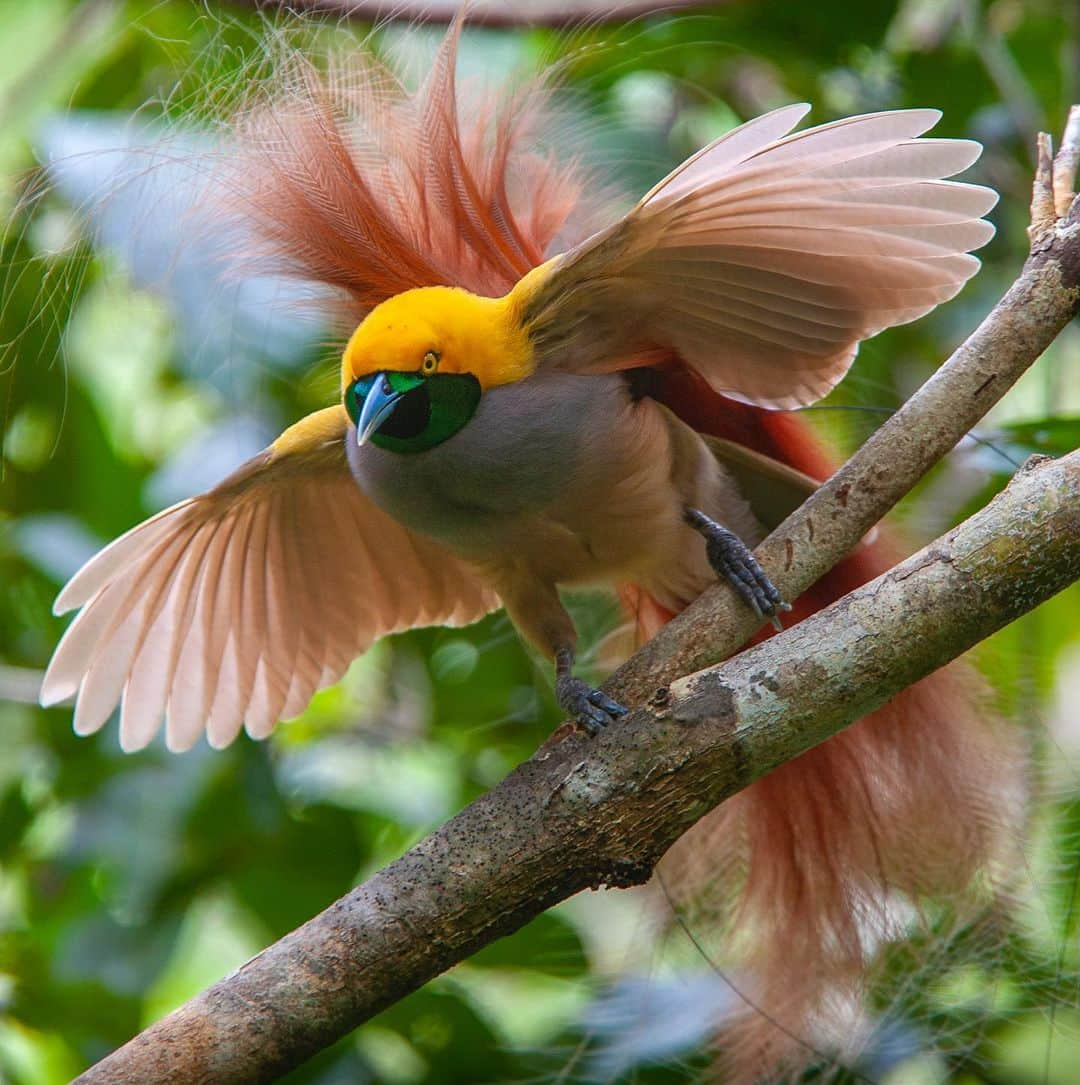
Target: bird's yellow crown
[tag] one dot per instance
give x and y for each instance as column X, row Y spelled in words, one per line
column 441, row 327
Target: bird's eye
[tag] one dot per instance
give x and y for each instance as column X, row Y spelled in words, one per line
column 430, row 363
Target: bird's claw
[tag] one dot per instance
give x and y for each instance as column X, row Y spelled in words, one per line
column 738, row 566
column 732, row 560
column 592, row 708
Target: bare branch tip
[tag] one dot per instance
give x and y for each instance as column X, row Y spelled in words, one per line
column 1065, row 164
column 1043, row 214
column 1071, row 137
column 1044, row 144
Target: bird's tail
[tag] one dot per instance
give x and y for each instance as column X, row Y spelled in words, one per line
column 805, row 875
column 346, row 178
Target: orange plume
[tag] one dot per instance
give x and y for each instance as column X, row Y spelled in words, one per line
column 357, row 184
column 353, row 182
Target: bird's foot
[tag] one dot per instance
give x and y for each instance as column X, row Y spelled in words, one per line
column 732, row 560
column 592, row 708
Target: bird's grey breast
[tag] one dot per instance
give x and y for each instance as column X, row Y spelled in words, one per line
column 514, row 456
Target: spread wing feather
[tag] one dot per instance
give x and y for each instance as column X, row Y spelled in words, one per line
column 764, row 259
column 231, row 609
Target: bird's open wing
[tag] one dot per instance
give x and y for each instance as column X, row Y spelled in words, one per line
column 764, row 259
column 231, row 609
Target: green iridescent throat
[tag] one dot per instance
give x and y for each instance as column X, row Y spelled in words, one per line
column 431, row 409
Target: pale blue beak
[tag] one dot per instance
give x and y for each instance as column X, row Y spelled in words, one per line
column 378, row 405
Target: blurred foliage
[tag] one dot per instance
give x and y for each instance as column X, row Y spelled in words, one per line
column 130, row 375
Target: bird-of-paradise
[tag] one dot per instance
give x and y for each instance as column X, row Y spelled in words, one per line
column 529, row 404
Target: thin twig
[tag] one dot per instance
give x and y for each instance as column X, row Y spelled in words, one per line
column 1065, row 164
column 506, row 13
column 1043, row 215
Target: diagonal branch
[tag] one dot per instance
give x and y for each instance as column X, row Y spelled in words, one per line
column 934, row 420
column 587, row 812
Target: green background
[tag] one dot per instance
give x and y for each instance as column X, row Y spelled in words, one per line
column 130, row 376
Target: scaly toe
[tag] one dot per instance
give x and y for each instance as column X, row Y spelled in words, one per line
column 732, row 560
column 592, row 708
column 602, row 701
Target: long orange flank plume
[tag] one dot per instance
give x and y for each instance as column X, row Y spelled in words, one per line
column 356, row 183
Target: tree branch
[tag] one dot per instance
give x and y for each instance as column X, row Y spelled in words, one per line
column 932, row 422
column 556, row 13
column 583, row 812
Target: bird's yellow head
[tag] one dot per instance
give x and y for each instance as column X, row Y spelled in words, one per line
column 415, row 369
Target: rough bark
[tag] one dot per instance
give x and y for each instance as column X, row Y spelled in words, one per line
column 582, row 812
column 980, row 371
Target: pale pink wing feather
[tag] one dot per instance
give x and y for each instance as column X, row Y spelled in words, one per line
column 766, row 258
column 230, row 610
